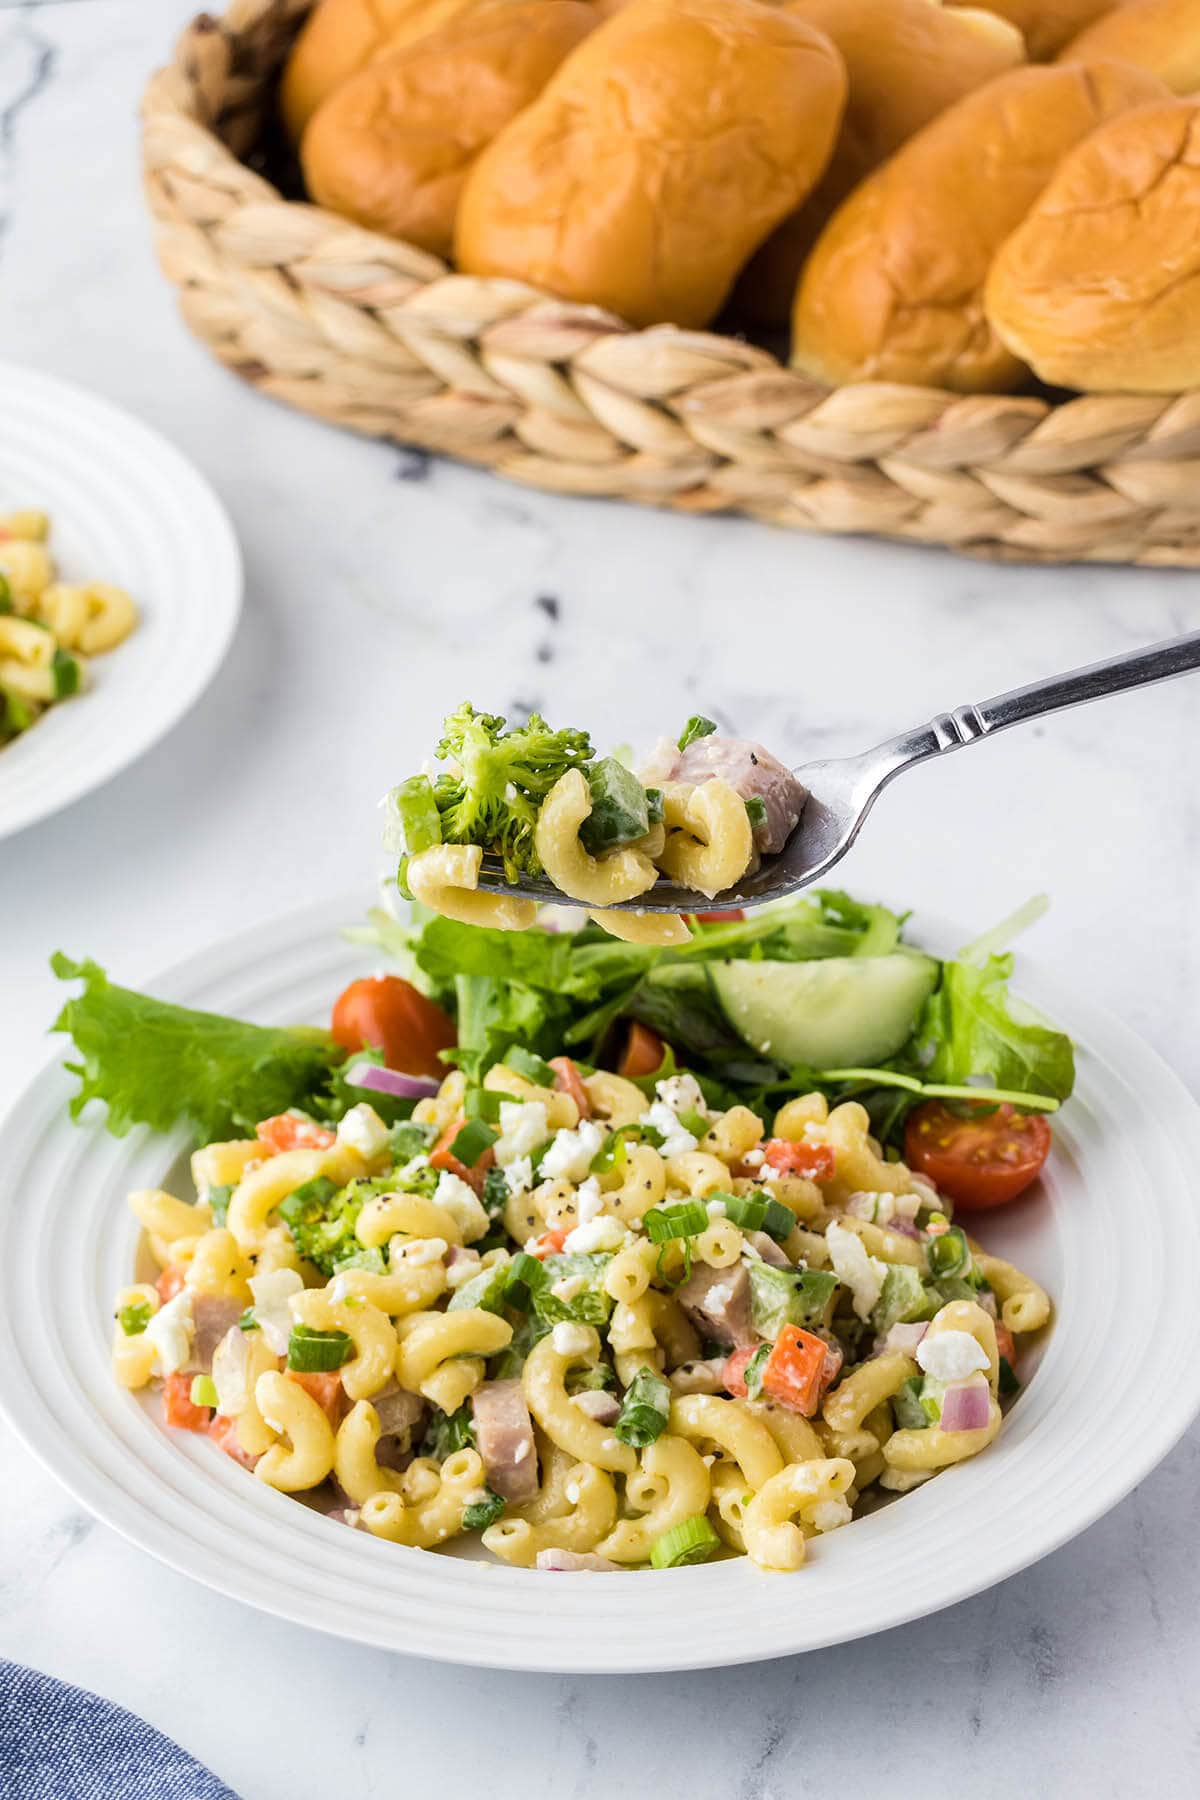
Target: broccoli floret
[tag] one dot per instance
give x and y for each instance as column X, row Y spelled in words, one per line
column 499, row 781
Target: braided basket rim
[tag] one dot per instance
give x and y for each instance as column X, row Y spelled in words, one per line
column 382, row 338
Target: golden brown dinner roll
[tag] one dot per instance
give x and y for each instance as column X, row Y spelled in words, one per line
column 894, row 288
column 907, row 61
column 391, row 147
column 1099, row 288
column 1160, row 35
column 341, row 36
column 1046, row 25
column 663, row 151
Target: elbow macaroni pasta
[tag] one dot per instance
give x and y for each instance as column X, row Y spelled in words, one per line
column 405, row 1316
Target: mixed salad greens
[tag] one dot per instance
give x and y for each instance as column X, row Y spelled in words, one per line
column 734, row 1005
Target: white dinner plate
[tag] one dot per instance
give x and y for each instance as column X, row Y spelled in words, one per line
column 1114, row 1233
column 127, row 507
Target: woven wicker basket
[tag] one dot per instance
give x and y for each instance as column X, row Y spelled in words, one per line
column 381, row 337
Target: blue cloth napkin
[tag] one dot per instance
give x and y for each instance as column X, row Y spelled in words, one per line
column 62, row 1743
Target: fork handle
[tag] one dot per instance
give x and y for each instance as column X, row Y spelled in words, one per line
column 966, row 724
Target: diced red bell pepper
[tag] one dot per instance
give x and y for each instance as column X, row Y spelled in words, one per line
column 1005, row 1343
column 170, row 1281
column 568, row 1080
column 734, row 1372
column 440, row 1158
column 177, row 1405
column 794, row 1374
column 223, row 1431
column 644, row 1052
column 720, row 918
column 814, row 1161
column 325, row 1388
column 288, row 1131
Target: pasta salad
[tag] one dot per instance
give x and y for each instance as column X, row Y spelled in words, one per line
column 608, row 1311
column 48, row 627
column 702, row 811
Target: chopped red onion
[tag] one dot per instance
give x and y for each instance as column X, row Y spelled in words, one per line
column 394, row 1082
column 966, row 1406
column 906, row 1337
column 576, row 1561
column 604, row 1408
column 905, row 1227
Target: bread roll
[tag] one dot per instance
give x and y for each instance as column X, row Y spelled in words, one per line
column 907, row 61
column 1160, row 35
column 342, row 36
column 391, row 147
column 660, row 155
column 1046, row 25
column 1099, row 288
column 894, row 289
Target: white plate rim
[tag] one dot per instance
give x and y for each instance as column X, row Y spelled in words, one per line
column 210, row 533
column 468, row 1613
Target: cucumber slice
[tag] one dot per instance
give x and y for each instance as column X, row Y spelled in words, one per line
column 840, row 1012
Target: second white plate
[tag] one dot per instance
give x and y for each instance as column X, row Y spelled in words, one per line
column 1114, row 1234
column 126, row 507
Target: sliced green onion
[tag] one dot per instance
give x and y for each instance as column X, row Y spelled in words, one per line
column 524, row 1062
column 758, row 1212
column 619, row 812
column 1001, row 935
column 693, row 1121
column 402, row 887
column 949, row 1253
column 655, row 811
column 756, row 811
column 645, row 1410
column 18, row 714
column 484, row 1103
column 692, row 1542
column 218, row 1199
column 474, row 1140
column 1009, row 1380
column 697, row 727
column 134, row 1319
column 306, row 1205
column 67, row 673
column 907, row 1409
column 416, row 809
column 936, row 1091
column 204, row 1392
column 684, row 1219
column 248, row 1322
column 312, row 1352
column 753, row 1374
column 482, row 1513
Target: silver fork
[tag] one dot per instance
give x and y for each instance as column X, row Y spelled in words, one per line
column 842, row 790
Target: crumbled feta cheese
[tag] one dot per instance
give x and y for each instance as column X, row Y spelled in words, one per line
column 570, row 1339
column 676, row 1140
column 589, row 1201
column 827, row 1515
column 523, row 1126
column 718, row 1296
column 682, row 1094
column 569, row 1288
column 418, row 1252
column 519, row 1175
column 598, row 1234
column 716, row 1209
column 572, row 1152
column 415, row 1166
column 951, row 1355
column 863, row 1274
column 170, row 1331
column 272, row 1294
column 363, row 1130
column 462, row 1203
column 753, row 1158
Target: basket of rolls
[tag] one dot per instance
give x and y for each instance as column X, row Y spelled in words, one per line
column 883, row 266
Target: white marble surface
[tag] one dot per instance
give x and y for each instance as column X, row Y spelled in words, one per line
column 380, row 585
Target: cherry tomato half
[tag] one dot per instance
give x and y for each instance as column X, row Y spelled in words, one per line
column 981, row 1159
column 643, row 1052
column 383, row 1012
